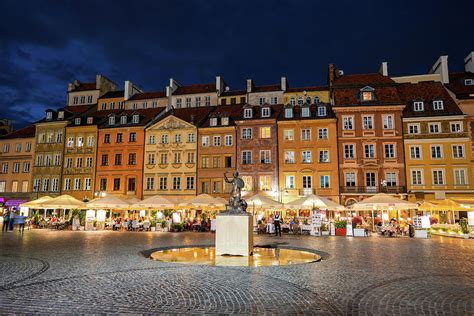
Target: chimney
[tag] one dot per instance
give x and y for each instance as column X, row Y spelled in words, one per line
column 469, row 62
column 130, row 90
column 249, row 85
column 172, row 87
column 383, row 70
column 283, row 83
column 331, row 74
column 441, row 67
column 220, row 85
column 98, row 81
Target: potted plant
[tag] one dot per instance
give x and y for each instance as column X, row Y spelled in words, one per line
column 341, row 228
column 464, row 227
column 324, row 229
column 153, row 224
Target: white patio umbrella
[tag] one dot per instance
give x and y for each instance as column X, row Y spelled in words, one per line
column 35, row 203
column 63, row 202
column 201, row 201
column 221, row 200
column 263, row 201
column 108, row 202
column 311, row 201
column 156, row 201
column 132, row 200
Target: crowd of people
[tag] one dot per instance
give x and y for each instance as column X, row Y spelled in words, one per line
column 11, row 218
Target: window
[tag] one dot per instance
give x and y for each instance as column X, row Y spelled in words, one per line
column 350, row 179
column 387, row 122
column 77, row 184
column 190, row 157
column 305, row 112
column 349, row 151
column 228, row 140
column 75, row 100
column 434, row 128
column 216, row 187
column 163, row 183
column 70, row 142
column 322, row 111
column 154, row 104
column 39, row 160
column 413, row 128
column 164, row 139
column 131, row 185
column 103, row 184
column 118, row 159
column 288, row 134
column 112, row 120
column 370, row 179
column 28, row 147
column 265, row 183
column 436, row 151
column 77, row 121
column 123, row 119
column 57, row 159
column 288, row 112
column 460, row 177
column 307, row 182
column 204, row 162
column 369, row 151
column 177, row 138
column 305, row 134
column 26, row 167
column 456, row 127
column 179, row 103
column 261, row 101
column 132, row 159
column 176, row 183
column 217, row 140
column 151, row 159
column 415, row 152
column 135, row 118
column 289, row 156
column 324, row 182
column 418, row 106
column 189, row 183
column 391, row 179
column 224, row 121
column 348, row 123
column 438, row 177
column 265, row 132
column 322, row 133
column 47, row 160
column 116, row 184
column 90, row 141
column 416, row 177
column 367, row 96
column 80, row 141
column 59, row 137
column 198, row 101
column 105, row 160
column 438, row 105
column 151, row 139
column 120, row 105
column 163, row 158
column 306, row 156
column 242, row 100
column 18, row 147
column 16, row 167
column 150, row 183
column 289, row 182
column 89, row 162
column 265, row 156
column 191, row 138
column 274, row 100
column 246, row 133
column 265, row 112
column 246, row 157
column 36, row 185
column 228, row 162
column 119, row 138
column 69, row 163
column 107, row 139
column 458, row 151
column 207, row 100
column 213, row 121
column 248, row 113
column 292, row 101
column 300, row 100
column 90, row 120
column 177, row 158
column 79, row 162
column 308, row 100
column 367, row 122
column 25, row 186
column 323, row 156
column 67, row 184
column 316, row 100
column 89, row 99
column 389, row 150
column 205, row 141
column 188, row 102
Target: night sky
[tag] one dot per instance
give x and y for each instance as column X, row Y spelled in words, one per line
column 46, row 44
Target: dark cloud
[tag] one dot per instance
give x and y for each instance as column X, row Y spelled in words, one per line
column 46, row 44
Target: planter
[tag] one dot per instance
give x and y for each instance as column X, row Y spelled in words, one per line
column 341, row 231
column 359, row 232
column 153, row 229
column 325, row 232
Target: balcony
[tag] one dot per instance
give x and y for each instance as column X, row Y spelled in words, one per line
column 375, row 189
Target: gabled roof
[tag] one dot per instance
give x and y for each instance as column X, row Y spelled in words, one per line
column 457, row 86
column 196, row 88
column 233, row 112
column 149, row 95
column 113, row 94
column 313, row 108
column 427, row 91
column 25, row 132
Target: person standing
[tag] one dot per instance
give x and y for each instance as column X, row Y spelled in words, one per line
column 21, row 223
column 12, row 219
column 6, row 221
column 277, row 222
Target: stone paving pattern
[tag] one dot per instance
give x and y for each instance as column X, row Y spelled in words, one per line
column 106, row 272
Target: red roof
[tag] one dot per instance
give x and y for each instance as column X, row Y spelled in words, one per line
column 458, row 87
column 233, row 93
column 24, row 132
column 149, row 95
column 270, row 88
column 233, row 112
column 196, row 88
column 363, row 79
column 78, row 108
column 113, row 94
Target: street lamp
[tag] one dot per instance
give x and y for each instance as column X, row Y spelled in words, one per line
column 100, row 194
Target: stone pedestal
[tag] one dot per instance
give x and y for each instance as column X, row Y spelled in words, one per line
column 234, row 235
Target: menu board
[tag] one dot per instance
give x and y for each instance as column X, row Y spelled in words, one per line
column 317, row 219
column 421, row 222
column 417, row 222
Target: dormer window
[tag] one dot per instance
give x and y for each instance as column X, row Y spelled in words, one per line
column 288, row 112
column 322, row 111
column 225, row 121
column 112, row 120
column 213, row 121
column 308, row 100
column 292, row 101
column 438, row 105
column 90, row 120
column 305, row 112
column 49, row 115
column 77, row 121
column 316, row 100
column 60, row 115
column 418, row 106
column 468, row 82
column 123, row 119
column 367, row 94
column 265, row 112
column 262, row 101
column 248, row 113
column 300, row 100
column 135, row 119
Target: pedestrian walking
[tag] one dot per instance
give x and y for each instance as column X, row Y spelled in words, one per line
column 21, row 223
column 6, row 221
column 12, row 219
column 277, row 222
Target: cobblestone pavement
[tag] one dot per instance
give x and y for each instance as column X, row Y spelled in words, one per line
column 105, row 272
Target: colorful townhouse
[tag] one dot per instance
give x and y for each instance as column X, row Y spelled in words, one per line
column 257, row 149
column 307, row 149
column 120, row 152
column 217, row 150
column 437, row 143
column 368, row 109
column 16, row 163
column 171, row 152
